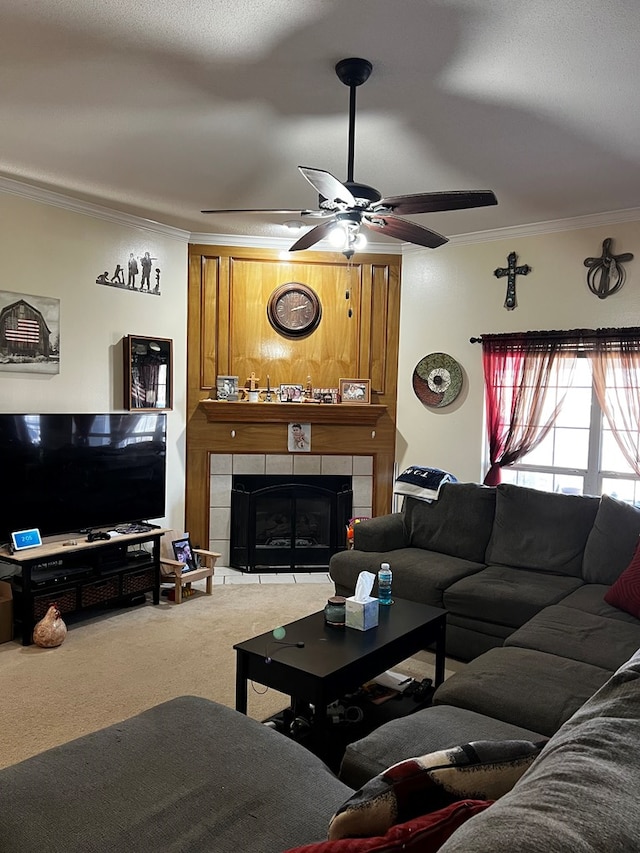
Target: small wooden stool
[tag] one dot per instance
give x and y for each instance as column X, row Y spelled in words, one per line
column 171, row 570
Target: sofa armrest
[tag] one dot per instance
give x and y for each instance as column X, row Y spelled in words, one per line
column 384, row 533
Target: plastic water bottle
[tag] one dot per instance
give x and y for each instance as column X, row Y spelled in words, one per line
column 384, row 584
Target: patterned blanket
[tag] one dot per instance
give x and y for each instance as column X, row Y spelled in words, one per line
column 422, row 483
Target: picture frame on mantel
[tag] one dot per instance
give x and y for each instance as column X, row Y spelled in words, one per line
column 355, row 392
column 148, row 373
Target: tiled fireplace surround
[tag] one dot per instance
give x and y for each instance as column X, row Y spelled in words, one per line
column 222, row 466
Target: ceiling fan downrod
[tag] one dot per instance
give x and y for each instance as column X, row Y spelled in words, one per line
column 352, row 72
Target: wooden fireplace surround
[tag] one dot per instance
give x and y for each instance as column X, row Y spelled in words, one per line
column 229, row 334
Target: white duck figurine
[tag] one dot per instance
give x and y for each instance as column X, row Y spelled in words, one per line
column 51, row 630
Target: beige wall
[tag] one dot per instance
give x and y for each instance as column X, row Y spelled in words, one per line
column 450, row 294
column 51, row 251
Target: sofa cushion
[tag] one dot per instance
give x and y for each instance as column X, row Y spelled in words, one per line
column 612, row 541
column 424, row 834
column 528, row 688
column 625, row 593
column 482, row 770
column 545, row 531
column 581, row 636
column 581, row 795
column 506, row 596
column 467, row 640
column 435, row 727
column 590, row 598
column 459, row 523
column 418, row 575
column 188, row 774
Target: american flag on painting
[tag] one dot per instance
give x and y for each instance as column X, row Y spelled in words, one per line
column 29, row 333
column 23, row 331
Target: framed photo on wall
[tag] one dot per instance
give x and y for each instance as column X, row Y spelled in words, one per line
column 148, row 373
column 299, row 438
column 355, row 391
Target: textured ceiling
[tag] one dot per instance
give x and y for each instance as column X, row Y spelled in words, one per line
column 160, row 109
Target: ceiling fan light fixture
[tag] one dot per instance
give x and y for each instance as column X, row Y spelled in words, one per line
column 345, row 234
column 338, row 236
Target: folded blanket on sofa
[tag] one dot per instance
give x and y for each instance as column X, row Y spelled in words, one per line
column 422, row 483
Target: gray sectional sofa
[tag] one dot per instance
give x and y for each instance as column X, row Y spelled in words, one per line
column 523, row 575
column 234, row 785
column 494, row 557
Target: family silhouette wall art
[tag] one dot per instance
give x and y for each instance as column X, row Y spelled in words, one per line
column 126, row 276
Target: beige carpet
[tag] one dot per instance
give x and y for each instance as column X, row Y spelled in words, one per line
column 114, row 665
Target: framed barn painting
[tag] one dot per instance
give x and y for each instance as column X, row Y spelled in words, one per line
column 29, row 333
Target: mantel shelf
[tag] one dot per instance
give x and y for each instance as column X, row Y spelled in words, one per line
column 223, row 411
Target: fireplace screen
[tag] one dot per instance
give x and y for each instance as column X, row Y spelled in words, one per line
column 288, row 522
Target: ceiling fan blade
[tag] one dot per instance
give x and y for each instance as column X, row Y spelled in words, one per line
column 392, row 226
column 296, row 212
column 328, row 186
column 313, row 236
column 434, row 202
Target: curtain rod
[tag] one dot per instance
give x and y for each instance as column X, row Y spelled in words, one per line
column 567, row 335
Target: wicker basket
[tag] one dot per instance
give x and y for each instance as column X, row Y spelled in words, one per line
column 99, row 592
column 64, row 601
column 138, row 582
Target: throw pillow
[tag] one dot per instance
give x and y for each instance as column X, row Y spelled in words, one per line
column 625, row 592
column 483, row 770
column 424, row 834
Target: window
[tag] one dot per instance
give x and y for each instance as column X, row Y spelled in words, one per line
column 576, row 445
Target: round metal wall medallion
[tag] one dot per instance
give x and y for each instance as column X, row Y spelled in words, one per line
column 437, row 380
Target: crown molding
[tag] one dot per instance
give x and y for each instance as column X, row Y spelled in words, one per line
column 533, row 229
column 87, row 208
column 283, row 243
column 57, row 199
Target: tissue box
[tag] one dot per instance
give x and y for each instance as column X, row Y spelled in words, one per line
column 361, row 615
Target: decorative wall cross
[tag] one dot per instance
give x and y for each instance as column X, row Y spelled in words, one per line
column 606, row 274
column 511, row 271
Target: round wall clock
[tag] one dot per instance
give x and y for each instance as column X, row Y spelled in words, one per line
column 294, row 309
column 437, row 380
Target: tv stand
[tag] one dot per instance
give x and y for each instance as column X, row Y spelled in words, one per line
column 81, row 576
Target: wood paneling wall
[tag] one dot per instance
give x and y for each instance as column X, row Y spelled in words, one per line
column 229, row 333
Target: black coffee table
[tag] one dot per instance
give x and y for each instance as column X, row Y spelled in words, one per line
column 317, row 664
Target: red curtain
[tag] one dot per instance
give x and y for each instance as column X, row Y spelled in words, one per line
column 522, row 373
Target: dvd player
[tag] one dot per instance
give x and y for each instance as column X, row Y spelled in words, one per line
column 48, row 576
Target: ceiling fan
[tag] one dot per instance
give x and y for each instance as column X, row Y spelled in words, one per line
column 348, row 206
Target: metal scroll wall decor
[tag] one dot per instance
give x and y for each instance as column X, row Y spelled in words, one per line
column 606, row 274
column 511, row 271
column 437, row 380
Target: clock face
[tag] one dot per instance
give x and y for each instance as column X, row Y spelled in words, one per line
column 294, row 309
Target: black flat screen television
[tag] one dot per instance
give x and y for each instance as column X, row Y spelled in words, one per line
column 66, row 473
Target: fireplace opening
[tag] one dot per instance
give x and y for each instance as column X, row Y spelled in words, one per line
column 285, row 521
